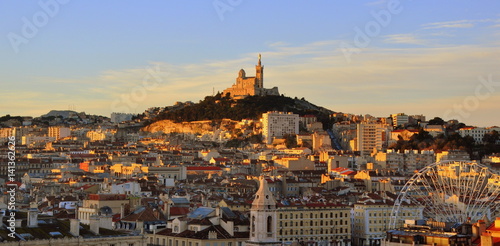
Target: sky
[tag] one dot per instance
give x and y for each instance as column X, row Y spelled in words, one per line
column 380, row 57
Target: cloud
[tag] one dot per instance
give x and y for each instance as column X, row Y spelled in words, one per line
column 417, row 80
column 457, row 24
column 404, row 39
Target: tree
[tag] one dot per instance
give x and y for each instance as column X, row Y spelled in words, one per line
column 290, row 140
column 436, row 121
column 491, row 137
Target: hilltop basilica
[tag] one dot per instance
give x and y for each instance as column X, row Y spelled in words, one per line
column 250, row 86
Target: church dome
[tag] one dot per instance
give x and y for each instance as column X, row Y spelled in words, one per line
column 242, row 74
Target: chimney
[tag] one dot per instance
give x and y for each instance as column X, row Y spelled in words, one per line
column 122, row 211
column 139, row 225
column 218, row 211
column 497, row 222
column 33, row 205
column 74, row 227
column 156, row 213
column 482, row 226
column 212, row 235
column 94, row 224
column 33, row 217
column 166, row 208
column 106, row 221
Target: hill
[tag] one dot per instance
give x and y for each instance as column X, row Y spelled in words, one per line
column 217, row 108
column 60, row 113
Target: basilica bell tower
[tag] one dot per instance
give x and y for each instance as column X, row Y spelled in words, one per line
column 259, row 74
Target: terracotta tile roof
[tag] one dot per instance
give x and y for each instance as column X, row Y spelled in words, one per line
column 203, row 234
column 209, row 168
column 145, row 214
column 179, row 211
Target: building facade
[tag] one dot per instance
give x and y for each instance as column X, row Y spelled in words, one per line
column 371, row 215
column 370, row 136
column 318, row 223
column 277, row 124
column 59, row 132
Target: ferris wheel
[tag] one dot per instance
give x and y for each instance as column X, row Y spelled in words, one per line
column 451, row 191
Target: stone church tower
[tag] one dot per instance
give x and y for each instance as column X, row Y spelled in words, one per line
column 259, row 74
column 263, row 225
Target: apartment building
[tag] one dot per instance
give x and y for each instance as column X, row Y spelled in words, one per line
column 59, row 132
column 371, row 216
column 371, row 136
column 321, row 222
column 277, row 124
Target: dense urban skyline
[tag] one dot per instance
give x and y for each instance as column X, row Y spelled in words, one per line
column 370, row 57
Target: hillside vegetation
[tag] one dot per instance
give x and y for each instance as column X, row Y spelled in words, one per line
column 252, row 107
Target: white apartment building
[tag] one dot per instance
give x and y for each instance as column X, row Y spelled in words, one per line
column 477, row 132
column 406, row 162
column 371, row 217
column 59, row 132
column 30, row 139
column 371, row 136
column 277, row 124
column 400, row 119
column 99, row 135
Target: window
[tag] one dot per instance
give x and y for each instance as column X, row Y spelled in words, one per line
column 269, row 224
column 253, row 223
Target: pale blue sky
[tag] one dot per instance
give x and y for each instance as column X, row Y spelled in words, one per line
column 104, row 56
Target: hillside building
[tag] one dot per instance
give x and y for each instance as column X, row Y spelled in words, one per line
column 250, row 86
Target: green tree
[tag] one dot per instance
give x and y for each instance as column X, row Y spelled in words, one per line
column 491, row 137
column 436, row 121
column 290, row 140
